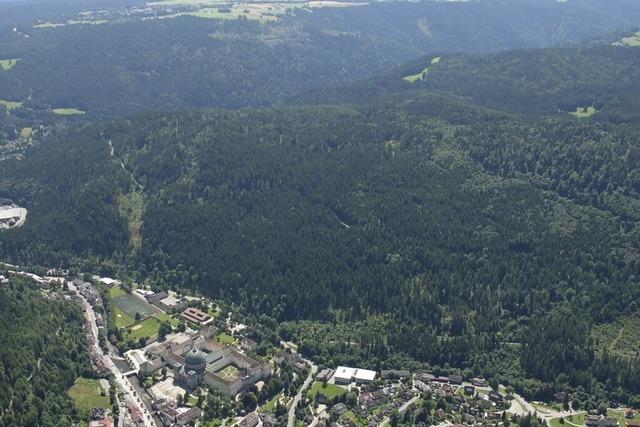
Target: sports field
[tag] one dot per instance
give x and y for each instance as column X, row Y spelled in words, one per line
column 131, row 304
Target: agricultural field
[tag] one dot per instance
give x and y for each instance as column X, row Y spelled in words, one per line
column 584, row 112
column 330, row 390
column 67, row 111
column 7, row 64
column 87, row 393
column 10, row 105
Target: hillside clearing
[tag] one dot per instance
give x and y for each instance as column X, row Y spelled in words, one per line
column 584, row 112
column 7, row 64
column 67, row 111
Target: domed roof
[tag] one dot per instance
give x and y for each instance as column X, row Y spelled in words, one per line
column 195, row 357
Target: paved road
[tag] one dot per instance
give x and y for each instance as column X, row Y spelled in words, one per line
column 123, row 383
column 298, row 397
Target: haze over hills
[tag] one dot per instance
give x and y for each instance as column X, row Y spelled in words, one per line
column 438, row 187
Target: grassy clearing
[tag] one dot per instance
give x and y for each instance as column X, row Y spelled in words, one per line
column 131, row 206
column 620, row 337
column 67, row 111
column 50, row 24
column 622, row 420
column 584, row 112
column 10, row 105
column 86, row 394
column 633, row 41
column 7, row 64
column 225, row 339
column 412, row 78
column 417, row 77
column 331, row 390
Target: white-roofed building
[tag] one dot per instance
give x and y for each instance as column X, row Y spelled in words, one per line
column 344, row 375
column 364, row 376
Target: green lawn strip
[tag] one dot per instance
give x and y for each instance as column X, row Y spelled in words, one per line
column 436, row 60
column 86, row 394
column 331, row 390
column 67, row 111
column 164, row 317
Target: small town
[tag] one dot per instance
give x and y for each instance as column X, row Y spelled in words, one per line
column 179, row 360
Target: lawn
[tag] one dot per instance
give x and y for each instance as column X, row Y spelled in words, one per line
column 86, row 394
column 270, row 406
column 622, row 420
column 164, row 317
column 146, row 329
column 225, row 339
column 116, row 292
column 10, row 105
column 67, row 111
column 579, row 419
column 229, row 373
column 122, row 319
column 584, row 112
column 7, row 64
column 331, row 390
column 436, row 60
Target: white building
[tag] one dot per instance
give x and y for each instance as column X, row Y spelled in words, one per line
column 346, row 375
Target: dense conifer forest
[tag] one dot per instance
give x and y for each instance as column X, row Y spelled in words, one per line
column 42, row 352
column 471, row 211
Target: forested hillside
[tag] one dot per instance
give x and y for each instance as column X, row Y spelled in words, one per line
column 534, row 82
column 163, row 64
column 463, row 229
column 464, row 212
column 42, row 350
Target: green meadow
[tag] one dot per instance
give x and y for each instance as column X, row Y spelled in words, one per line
column 7, row 64
column 584, row 112
column 67, row 111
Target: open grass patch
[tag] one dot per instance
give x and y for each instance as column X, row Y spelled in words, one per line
column 148, row 328
column 116, row 292
column 225, row 339
column 67, row 111
column 412, row 78
column 270, row 406
column 7, row 64
column 123, row 320
column 10, row 105
column 87, row 393
column 633, row 41
column 329, row 390
column 584, row 112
